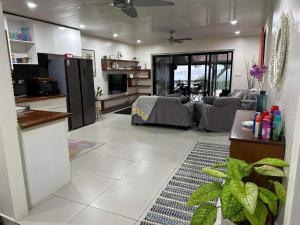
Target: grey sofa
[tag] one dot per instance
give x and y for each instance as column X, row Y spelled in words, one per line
column 248, row 98
column 168, row 111
column 216, row 114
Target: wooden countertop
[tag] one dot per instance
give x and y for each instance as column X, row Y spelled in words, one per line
column 240, row 133
column 37, row 98
column 34, row 117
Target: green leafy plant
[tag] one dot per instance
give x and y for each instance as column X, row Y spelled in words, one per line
column 241, row 200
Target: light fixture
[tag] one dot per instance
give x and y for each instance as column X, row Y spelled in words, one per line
column 62, row 28
column 233, row 22
column 139, row 41
column 237, row 32
column 31, row 5
column 115, row 35
column 82, row 26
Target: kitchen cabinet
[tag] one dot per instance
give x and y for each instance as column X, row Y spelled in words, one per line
column 52, row 39
column 21, row 40
column 46, row 38
column 44, row 144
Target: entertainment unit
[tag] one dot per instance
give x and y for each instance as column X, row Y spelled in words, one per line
column 126, row 82
column 117, row 83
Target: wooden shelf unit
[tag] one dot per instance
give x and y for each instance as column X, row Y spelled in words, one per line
column 138, row 83
column 108, row 105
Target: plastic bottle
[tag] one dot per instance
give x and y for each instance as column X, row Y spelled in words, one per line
column 277, row 126
column 257, row 126
column 266, row 128
column 254, row 120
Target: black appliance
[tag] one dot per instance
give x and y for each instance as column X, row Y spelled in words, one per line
column 43, row 87
column 76, row 80
column 20, row 88
column 117, row 83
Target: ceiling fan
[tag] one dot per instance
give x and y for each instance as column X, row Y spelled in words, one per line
column 128, row 6
column 173, row 40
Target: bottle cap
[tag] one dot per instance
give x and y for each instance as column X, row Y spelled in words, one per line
column 258, row 118
column 274, row 108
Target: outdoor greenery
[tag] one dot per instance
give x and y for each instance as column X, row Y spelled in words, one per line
column 241, row 201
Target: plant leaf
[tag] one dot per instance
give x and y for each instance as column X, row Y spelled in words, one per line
column 272, row 162
column 219, row 165
column 259, row 217
column 245, row 194
column 267, row 170
column 231, row 208
column 280, row 191
column 269, row 198
column 205, row 215
column 206, row 192
column 214, row 173
column 237, row 169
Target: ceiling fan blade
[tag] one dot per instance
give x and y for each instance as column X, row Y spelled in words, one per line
column 177, row 41
column 93, row 4
column 184, row 39
column 152, row 3
column 131, row 11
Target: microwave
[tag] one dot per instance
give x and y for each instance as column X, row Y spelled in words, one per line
column 43, row 87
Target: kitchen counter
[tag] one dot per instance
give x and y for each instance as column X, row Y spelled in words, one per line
column 37, row 98
column 43, row 137
column 34, row 117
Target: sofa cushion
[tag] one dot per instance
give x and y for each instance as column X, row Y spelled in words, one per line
column 174, row 95
column 210, row 100
column 185, row 99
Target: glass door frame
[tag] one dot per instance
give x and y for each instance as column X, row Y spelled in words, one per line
column 208, row 64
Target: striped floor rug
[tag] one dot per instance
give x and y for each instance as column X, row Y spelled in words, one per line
column 170, row 208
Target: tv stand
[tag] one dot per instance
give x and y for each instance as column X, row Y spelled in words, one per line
column 111, row 103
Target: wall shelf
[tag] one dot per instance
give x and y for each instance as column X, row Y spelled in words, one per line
column 21, row 42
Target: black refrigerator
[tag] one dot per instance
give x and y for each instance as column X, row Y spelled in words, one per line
column 76, row 80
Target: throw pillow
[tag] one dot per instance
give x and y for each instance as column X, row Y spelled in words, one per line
column 185, row 99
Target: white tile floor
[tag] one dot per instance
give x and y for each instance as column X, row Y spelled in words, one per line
column 117, row 183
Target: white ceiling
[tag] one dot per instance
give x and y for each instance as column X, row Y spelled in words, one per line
column 194, row 18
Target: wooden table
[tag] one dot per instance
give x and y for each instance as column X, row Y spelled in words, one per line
column 244, row 146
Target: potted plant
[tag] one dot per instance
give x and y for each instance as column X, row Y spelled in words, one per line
column 242, row 201
column 258, row 72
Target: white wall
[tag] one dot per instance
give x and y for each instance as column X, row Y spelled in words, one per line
column 13, row 201
column 245, row 48
column 105, row 47
column 289, row 101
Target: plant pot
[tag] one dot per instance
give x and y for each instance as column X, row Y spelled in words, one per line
column 262, row 101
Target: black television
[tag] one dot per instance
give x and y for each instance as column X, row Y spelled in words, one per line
column 117, row 83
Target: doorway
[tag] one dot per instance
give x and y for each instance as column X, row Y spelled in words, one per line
column 195, row 74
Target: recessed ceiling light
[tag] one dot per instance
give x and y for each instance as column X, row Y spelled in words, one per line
column 62, row 28
column 82, row 26
column 31, row 5
column 233, row 22
column 237, row 32
column 116, row 35
column 139, row 41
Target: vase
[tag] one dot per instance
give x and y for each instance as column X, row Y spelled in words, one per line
column 262, row 101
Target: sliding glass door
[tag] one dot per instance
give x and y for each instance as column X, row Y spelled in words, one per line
column 197, row 74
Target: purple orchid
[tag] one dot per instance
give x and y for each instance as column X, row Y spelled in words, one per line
column 258, row 72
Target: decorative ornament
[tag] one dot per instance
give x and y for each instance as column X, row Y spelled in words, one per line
column 280, row 53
